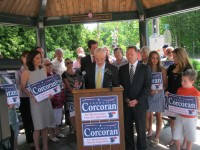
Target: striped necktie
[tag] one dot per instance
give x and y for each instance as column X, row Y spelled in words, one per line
column 99, row 78
column 131, row 73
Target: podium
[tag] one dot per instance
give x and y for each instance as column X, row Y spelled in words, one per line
column 99, row 119
column 4, row 121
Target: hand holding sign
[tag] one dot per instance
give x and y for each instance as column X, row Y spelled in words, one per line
column 157, row 82
column 42, row 89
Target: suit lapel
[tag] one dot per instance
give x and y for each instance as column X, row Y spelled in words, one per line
column 89, row 58
column 93, row 75
column 126, row 72
column 105, row 76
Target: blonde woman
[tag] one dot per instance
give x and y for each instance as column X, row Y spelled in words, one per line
column 144, row 52
column 174, row 73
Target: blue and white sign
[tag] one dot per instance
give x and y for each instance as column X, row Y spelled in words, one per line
column 58, row 79
column 157, row 82
column 185, row 105
column 102, row 133
column 166, row 64
column 11, row 92
column 99, row 108
column 71, row 109
column 166, row 111
column 11, row 76
column 44, row 88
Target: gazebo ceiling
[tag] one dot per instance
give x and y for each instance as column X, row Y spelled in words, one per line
column 55, row 12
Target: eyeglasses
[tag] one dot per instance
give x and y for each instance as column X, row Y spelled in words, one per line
column 169, row 52
column 69, row 63
column 48, row 64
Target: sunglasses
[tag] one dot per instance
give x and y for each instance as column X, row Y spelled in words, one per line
column 69, row 63
column 48, row 64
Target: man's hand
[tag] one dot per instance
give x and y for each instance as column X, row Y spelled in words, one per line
column 11, row 106
column 132, row 103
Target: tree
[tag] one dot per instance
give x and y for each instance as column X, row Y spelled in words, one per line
column 185, row 30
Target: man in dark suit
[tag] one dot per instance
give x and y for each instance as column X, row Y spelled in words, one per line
column 89, row 59
column 136, row 81
column 101, row 74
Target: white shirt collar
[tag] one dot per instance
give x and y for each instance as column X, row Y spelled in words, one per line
column 134, row 65
column 91, row 56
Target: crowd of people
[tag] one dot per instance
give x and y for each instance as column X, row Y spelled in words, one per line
column 141, row 102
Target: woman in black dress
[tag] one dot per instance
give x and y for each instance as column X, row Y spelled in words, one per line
column 174, row 73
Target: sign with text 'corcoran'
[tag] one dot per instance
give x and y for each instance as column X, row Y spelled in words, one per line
column 11, row 93
column 157, row 82
column 71, row 109
column 166, row 64
column 11, row 76
column 101, row 133
column 99, row 108
column 166, row 111
column 59, row 81
column 185, row 105
column 44, row 88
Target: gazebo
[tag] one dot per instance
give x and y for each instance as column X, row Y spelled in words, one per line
column 43, row 13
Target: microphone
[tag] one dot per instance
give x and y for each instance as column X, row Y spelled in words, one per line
column 110, row 75
column 83, row 79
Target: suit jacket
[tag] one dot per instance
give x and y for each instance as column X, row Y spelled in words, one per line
column 90, row 76
column 140, row 87
column 86, row 61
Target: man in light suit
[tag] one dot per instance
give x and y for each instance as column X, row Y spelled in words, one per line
column 101, row 74
column 136, row 81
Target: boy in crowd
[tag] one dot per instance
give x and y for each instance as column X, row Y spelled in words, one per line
column 184, row 124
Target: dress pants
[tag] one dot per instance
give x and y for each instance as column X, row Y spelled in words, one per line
column 26, row 118
column 138, row 116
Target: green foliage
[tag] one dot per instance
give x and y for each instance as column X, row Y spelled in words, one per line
column 127, row 32
column 14, row 40
column 196, row 65
column 185, row 29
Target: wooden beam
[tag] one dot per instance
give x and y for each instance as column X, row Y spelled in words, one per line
column 178, row 6
column 12, row 20
column 116, row 16
column 42, row 8
column 140, row 7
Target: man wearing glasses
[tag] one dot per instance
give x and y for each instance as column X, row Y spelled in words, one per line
column 101, row 74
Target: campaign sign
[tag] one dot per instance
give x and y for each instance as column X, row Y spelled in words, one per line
column 42, row 89
column 99, row 108
column 166, row 111
column 71, row 109
column 166, row 64
column 157, row 82
column 102, row 133
column 185, row 105
column 11, row 93
column 58, row 79
column 10, row 76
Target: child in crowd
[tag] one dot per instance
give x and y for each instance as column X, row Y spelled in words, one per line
column 184, row 124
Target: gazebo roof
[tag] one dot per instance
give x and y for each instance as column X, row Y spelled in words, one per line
column 59, row 12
